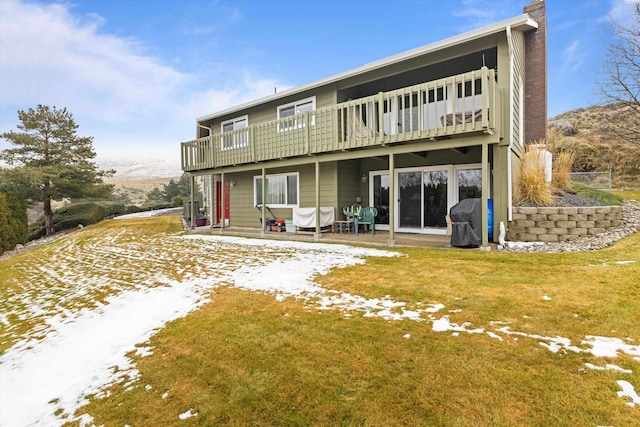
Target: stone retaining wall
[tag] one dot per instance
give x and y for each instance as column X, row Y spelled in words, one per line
column 559, row 224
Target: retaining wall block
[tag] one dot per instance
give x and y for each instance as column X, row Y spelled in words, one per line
column 566, row 224
column 558, row 217
column 558, row 231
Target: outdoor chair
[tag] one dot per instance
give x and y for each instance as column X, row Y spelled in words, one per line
column 367, row 217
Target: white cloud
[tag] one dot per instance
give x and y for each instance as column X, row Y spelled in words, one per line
column 572, row 57
column 118, row 93
column 622, row 12
column 478, row 13
column 49, row 56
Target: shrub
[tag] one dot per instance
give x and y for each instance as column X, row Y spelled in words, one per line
column 532, row 186
column 564, row 126
column 13, row 222
column 83, row 213
column 133, row 209
column 561, row 169
column 151, row 205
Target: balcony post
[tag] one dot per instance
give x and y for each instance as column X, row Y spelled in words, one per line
column 307, row 133
column 485, row 97
column 381, row 117
column 252, row 142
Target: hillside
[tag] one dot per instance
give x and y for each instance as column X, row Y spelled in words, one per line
column 589, row 134
column 135, row 177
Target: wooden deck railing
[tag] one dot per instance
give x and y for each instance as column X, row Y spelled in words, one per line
column 447, row 107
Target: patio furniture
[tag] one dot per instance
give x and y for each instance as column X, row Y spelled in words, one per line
column 367, row 217
column 343, row 226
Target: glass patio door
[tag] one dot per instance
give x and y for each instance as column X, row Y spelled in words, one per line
column 409, row 200
column 424, row 198
column 380, row 198
column 435, row 185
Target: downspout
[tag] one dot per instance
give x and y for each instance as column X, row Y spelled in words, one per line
column 509, row 155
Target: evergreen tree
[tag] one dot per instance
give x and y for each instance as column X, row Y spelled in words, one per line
column 51, row 161
column 181, row 188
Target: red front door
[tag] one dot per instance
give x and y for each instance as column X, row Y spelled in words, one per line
column 219, row 201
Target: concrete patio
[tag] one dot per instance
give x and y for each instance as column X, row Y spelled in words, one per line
column 381, row 237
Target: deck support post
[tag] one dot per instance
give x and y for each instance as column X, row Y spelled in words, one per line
column 193, row 207
column 223, row 206
column 392, row 200
column 264, row 202
column 317, row 234
column 486, row 171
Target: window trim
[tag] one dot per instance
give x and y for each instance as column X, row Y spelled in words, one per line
column 282, row 127
column 236, row 143
column 285, row 174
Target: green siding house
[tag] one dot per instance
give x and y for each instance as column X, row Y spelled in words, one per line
column 411, row 134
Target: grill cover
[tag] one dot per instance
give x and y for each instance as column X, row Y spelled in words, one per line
column 466, row 227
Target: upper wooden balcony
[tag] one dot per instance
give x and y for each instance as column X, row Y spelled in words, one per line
column 456, row 105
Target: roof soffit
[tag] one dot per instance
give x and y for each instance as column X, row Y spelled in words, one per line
column 520, row 23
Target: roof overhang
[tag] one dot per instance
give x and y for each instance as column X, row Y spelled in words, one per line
column 520, row 23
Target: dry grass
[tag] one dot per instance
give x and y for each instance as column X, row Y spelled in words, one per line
column 596, row 146
column 561, row 168
column 532, row 186
column 248, row 359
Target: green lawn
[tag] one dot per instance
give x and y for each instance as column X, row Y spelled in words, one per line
column 248, row 358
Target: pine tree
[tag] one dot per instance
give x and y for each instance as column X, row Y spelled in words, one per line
column 51, row 161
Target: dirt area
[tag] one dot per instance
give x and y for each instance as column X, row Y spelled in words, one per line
column 565, row 199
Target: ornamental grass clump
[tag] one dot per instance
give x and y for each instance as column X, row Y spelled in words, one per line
column 561, row 168
column 532, row 186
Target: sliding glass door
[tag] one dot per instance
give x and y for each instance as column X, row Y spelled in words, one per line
column 423, row 195
column 380, row 195
column 424, row 199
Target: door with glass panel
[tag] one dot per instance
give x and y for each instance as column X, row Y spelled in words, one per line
column 424, row 198
column 435, row 186
column 380, row 198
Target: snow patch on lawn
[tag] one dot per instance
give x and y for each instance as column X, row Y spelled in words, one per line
column 75, row 353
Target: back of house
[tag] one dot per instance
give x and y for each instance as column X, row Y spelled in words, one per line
column 411, row 135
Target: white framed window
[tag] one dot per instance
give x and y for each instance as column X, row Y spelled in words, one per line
column 468, row 180
column 298, row 107
column 282, row 190
column 232, row 134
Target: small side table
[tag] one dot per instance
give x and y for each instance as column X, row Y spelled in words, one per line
column 342, row 226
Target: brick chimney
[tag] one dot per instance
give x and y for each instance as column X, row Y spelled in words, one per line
column 535, row 82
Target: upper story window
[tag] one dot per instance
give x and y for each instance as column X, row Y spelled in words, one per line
column 233, row 135
column 298, row 107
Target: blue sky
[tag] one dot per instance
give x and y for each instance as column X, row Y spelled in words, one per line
column 136, row 74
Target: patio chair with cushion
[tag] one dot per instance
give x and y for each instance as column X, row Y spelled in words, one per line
column 367, row 217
